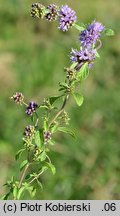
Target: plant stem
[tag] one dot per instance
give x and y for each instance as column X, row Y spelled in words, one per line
column 24, row 103
column 60, row 111
column 23, row 175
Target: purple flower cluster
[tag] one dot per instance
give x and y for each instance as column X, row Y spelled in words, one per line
column 83, row 56
column 91, row 34
column 29, row 132
column 67, row 17
column 88, row 39
column 18, row 98
column 47, row 136
column 52, row 13
column 31, row 108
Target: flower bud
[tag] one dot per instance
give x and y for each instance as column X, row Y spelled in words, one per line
column 70, row 73
column 52, row 13
column 38, row 10
column 31, row 108
column 18, row 98
column 29, row 132
column 47, row 136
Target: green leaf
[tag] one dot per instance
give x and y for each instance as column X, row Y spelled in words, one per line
column 23, row 164
column 33, row 192
column 19, row 153
column 45, row 124
column 43, row 156
column 21, row 190
column 109, row 32
column 78, row 98
column 32, row 118
column 61, row 89
column 51, row 167
column 54, row 127
column 43, row 106
column 37, row 139
column 73, row 65
column 44, row 168
column 63, row 84
column 53, row 99
column 51, row 142
column 28, row 176
column 39, row 183
column 78, row 27
column 97, row 55
column 5, row 197
column 83, row 72
column 67, row 130
column 15, row 191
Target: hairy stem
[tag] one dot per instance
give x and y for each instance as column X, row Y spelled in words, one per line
column 23, row 175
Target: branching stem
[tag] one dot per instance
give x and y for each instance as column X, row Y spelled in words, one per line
column 36, row 177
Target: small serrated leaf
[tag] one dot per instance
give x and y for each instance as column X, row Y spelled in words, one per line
column 78, row 98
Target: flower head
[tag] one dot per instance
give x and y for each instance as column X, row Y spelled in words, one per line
column 67, row 17
column 47, row 136
column 70, row 73
column 52, row 13
column 91, row 34
column 38, row 10
column 83, row 56
column 31, row 108
column 29, row 132
column 18, row 97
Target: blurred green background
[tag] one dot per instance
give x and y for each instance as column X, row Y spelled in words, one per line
column 33, row 54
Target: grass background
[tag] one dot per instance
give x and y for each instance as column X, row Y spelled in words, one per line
column 33, row 54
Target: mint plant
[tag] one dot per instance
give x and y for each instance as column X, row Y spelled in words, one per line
column 39, row 135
